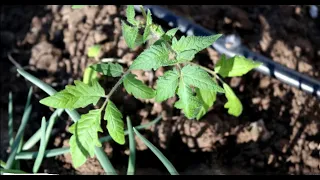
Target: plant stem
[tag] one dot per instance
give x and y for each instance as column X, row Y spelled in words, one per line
column 208, row 70
column 179, row 67
column 114, row 88
column 132, row 148
column 143, row 12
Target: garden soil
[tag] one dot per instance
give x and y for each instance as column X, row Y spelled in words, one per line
column 277, row 133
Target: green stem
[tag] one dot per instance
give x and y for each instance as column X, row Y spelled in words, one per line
column 17, row 141
column 158, row 153
column 132, row 147
column 37, row 136
column 143, row 12
column 104, row 161
column 114, row 88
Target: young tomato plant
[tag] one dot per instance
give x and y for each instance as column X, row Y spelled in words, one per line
column 196, row 86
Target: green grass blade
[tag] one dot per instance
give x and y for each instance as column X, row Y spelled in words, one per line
column 158, row 153
column 52, row 120
column 64, row 150
column 47, row 154
column 32, row 140
column 17, row 140
column 17, row 163
column 143, row 126
column 2, row 164
column 104, row 161
column 132, row 147
column 13, row 171
column 10, row 120
column 75, row 116
column 42, row 148
column 37, row 136
column 28, row 99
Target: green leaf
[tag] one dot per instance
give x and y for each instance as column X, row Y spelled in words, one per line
column 152, row 58
column 187, row 55
column 146, row 33
column 169, row 34
column 108, row 69
column 94, row 51
column 139, row 40
column 78, row 6
column 149, row 18
column 172, row 32
column 157, row 29
column 195, row 76
column 187, row 47
column 167, row 85
column 160, row 42
column 42, row 147
column 85, row 137
column 2, row 164
column 130, row 13
column 130, row 34
column 115, row 124
column 76, row 96
column 234, row 105
column 235, row 66
column 89, row 75
column 137, row 88
column 197, row 43
column 207, row 97
column 174, row 40
column 188, row 103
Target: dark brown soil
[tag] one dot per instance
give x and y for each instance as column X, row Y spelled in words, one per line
column 278, row 132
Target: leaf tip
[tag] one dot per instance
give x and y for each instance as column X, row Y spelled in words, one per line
column 43, row 101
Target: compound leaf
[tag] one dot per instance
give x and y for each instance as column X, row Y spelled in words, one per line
column 75, row 96
column 235, row 66
column 108, row 69
column 115, row 123
column 130, row 13
column 188, row 103
column 137, row 88
column 233, row 105
column 154, row 57
column 149, row 18
column 195, row 76
column 85, row 137
column 130, row 34
column 167, row 85
column 196, row 43
column 207, row 97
